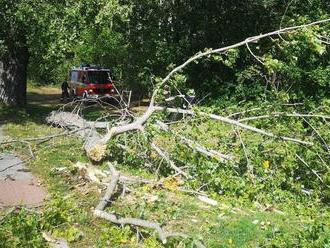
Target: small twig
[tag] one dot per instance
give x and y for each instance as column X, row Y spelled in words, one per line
column 42, row 139
column 168, row 160
column 192, row 192
column 11, row 166
column 196, row 146
column 317, row 133
column 294, row 104
column 255, row 56
column 313, row 171
column 282, row 19
column 248, row 163
column 243, row 112
column 172, row 98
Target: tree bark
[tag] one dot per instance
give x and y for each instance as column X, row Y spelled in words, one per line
column 13, row 76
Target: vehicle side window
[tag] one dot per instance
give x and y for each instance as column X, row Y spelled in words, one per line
column 74, row 76
column 82, row 77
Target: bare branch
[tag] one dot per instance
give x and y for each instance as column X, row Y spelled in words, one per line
column 243, row 112
column 283, row 114
column 138, row 222
column 110, row 190
column 99, row 212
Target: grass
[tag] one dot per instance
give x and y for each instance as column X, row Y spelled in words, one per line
column 67, row 213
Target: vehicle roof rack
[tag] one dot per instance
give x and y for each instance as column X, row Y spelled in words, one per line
column 90, row 67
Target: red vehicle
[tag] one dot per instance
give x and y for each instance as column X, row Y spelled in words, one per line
column 91, row 82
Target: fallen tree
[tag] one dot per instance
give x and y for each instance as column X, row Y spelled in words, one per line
column 95, row 142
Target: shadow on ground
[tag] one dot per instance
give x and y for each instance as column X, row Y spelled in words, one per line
column 30, row 113
column 44, row 99
column 40, row 102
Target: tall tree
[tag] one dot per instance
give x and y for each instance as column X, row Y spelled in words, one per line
column 14, row 54
column 46, row 37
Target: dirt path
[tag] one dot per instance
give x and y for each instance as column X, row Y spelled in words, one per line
column 44, row 95
column 17, row 184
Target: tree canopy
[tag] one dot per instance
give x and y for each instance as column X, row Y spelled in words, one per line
column 141, row 40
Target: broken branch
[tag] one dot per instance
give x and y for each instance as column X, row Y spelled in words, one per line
column 196, row 146
column 234, row 123
column 168, row 160
column 99, row 212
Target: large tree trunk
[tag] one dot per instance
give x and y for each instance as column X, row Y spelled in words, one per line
column 13, row 76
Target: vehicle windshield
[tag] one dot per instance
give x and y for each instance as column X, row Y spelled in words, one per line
column 98, row 77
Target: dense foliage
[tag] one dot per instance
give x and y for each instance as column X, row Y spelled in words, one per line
column 140, row 39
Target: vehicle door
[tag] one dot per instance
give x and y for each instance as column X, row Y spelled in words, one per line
column 73, row 81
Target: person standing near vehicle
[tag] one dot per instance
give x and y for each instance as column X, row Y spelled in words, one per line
column 65, row 93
